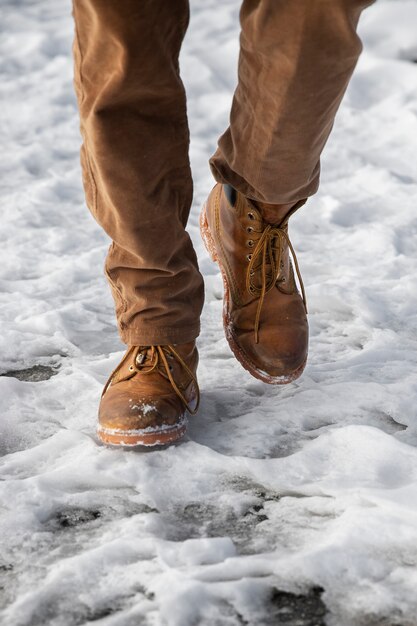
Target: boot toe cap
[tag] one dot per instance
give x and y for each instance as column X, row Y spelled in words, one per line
column 281, row 355
column 129, row 413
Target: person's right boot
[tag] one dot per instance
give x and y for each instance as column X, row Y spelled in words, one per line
column 145, row 400
column 264, row 314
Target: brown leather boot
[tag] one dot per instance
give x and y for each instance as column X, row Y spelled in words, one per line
column 145, row 400
column 264, row 315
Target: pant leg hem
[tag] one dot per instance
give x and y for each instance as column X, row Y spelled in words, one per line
column 223, row 174
column 161, row 337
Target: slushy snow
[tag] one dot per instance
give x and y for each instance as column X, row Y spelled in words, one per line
column 306, row 489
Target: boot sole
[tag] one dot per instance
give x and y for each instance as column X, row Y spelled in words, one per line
column 142, row 437
column 240, row 355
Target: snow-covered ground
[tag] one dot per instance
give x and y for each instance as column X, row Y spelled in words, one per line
column 293, row 505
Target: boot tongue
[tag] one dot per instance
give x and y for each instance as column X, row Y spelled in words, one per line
column 281, row 255
column 276, row 253
column 273, row 214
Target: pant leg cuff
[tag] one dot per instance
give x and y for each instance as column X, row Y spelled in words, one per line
column 146, row 337
column 271, row 193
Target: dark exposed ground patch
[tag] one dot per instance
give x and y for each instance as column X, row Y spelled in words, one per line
column 149, row 595
column 6, row 567
column 297, row 609
column 245, row 485
column 34, row 374
column 281, row 608
column 197, row 519
column 101, row 613
column 72, row 517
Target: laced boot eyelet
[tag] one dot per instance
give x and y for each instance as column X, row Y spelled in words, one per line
column 251, row 216
column 251, row 289
column 249, row 229
column 252, row 273
column 249, row 257
column 250, row 243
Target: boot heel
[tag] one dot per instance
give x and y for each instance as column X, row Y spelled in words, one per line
column 206, row 235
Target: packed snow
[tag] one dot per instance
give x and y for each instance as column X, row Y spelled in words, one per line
column 293, row 505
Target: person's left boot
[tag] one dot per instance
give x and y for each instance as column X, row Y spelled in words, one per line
column 264, row 314
column 145, row 400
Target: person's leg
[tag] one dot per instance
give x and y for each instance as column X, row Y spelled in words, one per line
column 138, row 186
column 135, row 162
column 296, row 59
column 295, row 62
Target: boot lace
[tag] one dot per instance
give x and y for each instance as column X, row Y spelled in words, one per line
column 267, row 257
column 148, row 359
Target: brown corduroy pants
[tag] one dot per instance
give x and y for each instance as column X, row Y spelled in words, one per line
column 295, row 62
